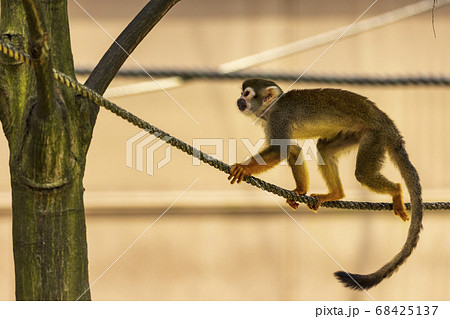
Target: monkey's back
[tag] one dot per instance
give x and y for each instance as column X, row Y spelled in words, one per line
column 313, row 113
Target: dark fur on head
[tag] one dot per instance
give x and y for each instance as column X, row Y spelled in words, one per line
column 258, row 84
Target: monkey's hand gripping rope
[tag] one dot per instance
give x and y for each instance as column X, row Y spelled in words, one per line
column 136, row 121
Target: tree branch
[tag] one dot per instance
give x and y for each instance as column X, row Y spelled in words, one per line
column 128, row 40
column 40, row 55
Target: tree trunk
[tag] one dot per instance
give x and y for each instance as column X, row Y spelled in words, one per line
column 48, row 141
column 49, row 130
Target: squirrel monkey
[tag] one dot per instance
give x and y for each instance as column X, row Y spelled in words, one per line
column 341, row 120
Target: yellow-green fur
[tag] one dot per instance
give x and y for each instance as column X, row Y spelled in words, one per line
column 341, row 120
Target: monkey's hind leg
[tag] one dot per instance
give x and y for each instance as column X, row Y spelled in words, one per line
column 328, row 149
column 369, row 160
column 298, row 166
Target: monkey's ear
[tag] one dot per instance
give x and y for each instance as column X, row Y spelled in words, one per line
column 271, row 94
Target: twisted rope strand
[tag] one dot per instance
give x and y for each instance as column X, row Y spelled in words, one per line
column 166, row 137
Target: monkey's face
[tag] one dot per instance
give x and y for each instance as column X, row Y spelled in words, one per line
column 257, row 96
column 244, row 103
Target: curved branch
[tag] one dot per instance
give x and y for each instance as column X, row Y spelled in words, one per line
column 128, row 40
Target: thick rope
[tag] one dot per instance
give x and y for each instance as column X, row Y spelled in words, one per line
column 133, row 119
column 212, row 74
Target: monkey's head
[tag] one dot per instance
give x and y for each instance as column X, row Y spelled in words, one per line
column 257, row 95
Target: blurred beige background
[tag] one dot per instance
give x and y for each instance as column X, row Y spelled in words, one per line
column 223, row 242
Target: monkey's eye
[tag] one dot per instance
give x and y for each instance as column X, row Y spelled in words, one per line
column 246, row 93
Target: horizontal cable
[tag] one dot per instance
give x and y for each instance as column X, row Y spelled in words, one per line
column 211, row 74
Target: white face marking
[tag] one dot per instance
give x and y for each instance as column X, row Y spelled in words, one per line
column 248, row 94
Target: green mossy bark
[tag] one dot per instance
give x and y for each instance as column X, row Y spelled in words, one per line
column 47, row 162
column 49, row 132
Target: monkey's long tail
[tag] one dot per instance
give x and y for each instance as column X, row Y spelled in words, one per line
column 411, row 178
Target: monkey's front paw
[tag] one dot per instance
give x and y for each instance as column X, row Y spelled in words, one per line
column 237, row 173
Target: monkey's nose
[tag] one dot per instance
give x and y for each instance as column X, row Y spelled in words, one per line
column 241, row 104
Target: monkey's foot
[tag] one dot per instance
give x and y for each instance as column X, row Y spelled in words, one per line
column 319, row 201
column 321, row 198
column 402, row 214
column 398, row 205
column 293, row 203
